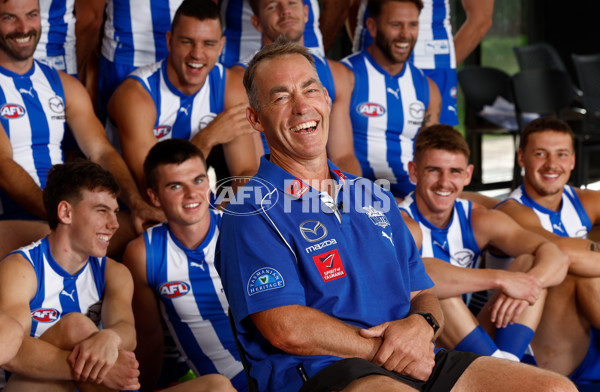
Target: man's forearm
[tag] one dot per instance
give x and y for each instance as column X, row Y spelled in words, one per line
column 40, row 360
column 426, row 302
column 301, row 330
column 19, row 185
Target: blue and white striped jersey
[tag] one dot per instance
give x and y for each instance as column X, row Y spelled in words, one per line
column 57, row 42
column 454, row 243
column 32, row 113
column 179, row 115
column 135, row 30
column 435, row 45
column 59, row 292
column 386, row 112
column 570, row 221
column 192, row 300
column 243, row 40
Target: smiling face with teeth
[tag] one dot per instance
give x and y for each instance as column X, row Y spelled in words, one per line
column 395, row 33
column 92, row 221
column 194, row 48
column 20, row 30
column 548, row 160
column 182, row 193
column 440, row 177
column 293, row 110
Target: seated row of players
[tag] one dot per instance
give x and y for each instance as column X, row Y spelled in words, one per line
column 539, row 218
column 178, row 184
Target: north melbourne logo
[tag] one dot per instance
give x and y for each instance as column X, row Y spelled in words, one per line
column 377, row 217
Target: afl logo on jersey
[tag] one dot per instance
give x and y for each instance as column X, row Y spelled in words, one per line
column 162, row 131
column 174, row 289
column 45, row 315
column 370, row 109
column 12, row 111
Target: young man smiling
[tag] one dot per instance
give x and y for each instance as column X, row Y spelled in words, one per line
column 188, row 96
column 174, row 274
column 63, row 286
column 567, row 340
column 453, row 233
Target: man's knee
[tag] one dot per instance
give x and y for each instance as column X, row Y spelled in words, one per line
column 494, row 374
column 70, row 330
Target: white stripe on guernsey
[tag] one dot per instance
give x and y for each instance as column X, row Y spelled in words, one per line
column 208, row 341
column 86, row 288
column 198, row 111
column 360, row 26
column 376, row 140
column 57, row 129
column 20, row 131
column 427, row 244
column 169, row 108
column 455, row 237
column 109, row 44
column 409, row 132
column 544, row 219
column 570, row 219
column 53, row 284
column 314, row 6
column 214, row 274
column 40, row 50
column 251, row 38
column 141, row 16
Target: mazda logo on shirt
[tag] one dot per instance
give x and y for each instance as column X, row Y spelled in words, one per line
column 313, row 230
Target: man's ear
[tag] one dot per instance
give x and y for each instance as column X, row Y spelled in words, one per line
column 168, row 37
column 254, row 119
column 65, row 212
column 153, row 197
column 255, row 23
column 469, row 173
column 412, row 171
column 371, row 26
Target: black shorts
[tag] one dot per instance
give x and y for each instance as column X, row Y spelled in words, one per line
column 449, row 366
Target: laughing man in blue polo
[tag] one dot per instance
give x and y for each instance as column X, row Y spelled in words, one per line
column 325, row 284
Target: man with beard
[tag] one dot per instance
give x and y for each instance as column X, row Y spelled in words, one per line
column 391, row 99
column 567, row 340
column 288, row 19
column 36, row 104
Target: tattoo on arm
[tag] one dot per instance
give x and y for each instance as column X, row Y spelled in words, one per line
column 426, row 120
column 594, row 247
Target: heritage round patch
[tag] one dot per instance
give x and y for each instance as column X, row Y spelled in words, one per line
column 265, row 279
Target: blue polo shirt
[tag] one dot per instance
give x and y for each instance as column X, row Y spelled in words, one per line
column 282, row 244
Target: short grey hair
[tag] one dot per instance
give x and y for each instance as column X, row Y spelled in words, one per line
column 281, row 47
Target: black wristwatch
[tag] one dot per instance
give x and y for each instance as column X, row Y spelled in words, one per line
column 431, row 321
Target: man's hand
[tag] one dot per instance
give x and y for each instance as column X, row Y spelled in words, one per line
column 228, row 125
column 93, row 358
column 506, row 310
column 521, row 285
column 123, row 376
column 406, row 348
column 143, row 215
